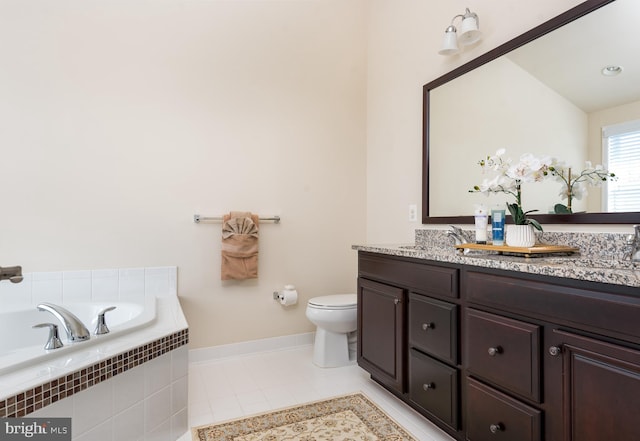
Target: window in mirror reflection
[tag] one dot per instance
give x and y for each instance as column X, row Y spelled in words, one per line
column 621, row 147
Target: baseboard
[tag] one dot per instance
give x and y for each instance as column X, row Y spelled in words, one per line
column 250, row 347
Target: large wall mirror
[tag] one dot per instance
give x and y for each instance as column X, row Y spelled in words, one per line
column 542, row 93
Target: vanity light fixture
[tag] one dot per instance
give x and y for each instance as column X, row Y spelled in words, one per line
column 469, row 33
column 611, row 70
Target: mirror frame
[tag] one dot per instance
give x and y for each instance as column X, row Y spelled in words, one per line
column 543, row 29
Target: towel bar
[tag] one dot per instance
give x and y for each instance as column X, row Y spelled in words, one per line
column 197, row 218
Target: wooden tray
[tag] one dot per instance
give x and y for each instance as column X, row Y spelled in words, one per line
column 536, row 249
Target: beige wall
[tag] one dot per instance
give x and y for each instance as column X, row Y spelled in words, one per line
column 121, row 119
column 513, row 102
column 404, row 38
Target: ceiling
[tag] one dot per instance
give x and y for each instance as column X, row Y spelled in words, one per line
column 570, row 59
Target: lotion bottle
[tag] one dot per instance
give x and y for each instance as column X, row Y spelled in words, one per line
column 481, row 218
column 497, row 226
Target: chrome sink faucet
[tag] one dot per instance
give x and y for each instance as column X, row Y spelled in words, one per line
column 76, row 331
column 11, row 273
column 459, row 238
column 633, row 240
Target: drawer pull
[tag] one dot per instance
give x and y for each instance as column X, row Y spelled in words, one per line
column 396, row 301
column 495, row 428
column 428, row 386
column 427, row 326
column 555, row 350
column 495, row 351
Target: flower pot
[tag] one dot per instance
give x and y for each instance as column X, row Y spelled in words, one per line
column 520, row 236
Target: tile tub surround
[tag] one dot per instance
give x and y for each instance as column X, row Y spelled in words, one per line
column 56, row 380
column 42, row 395
column 599, row 258
column 147, row 402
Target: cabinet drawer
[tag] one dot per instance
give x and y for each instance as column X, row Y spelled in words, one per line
column 492, row 415
column 433, row 327
column 610, row 310
column 504, row 351
column 430, row 279
column 433, row 387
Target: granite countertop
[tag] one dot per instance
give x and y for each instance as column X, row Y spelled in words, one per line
column 573, row 266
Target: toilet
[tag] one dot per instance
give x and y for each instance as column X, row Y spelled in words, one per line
column 336, row 322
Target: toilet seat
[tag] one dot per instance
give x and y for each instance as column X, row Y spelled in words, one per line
column 335, row 301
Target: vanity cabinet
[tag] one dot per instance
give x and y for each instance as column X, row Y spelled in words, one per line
column 574, row 351
column 414, row 351
column 490, row 354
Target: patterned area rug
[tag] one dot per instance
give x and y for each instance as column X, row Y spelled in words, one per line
column 348, row 418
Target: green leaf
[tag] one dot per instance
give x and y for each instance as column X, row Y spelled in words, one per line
column 515, row 211
column 535, row 224
column 561, row 209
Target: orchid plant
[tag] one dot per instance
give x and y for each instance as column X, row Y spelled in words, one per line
column 509, row 177
column 576, row 186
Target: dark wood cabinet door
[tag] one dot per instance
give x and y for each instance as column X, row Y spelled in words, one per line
column 600, row 389
column 381, row 336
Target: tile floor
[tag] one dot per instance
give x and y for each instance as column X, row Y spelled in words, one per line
column 245, row 385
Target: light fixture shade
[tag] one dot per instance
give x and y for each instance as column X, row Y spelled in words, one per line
column 469, row 32
column 450, row 42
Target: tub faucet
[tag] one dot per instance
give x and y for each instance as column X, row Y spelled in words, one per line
column 53, row 342
column 101, row 326
column 11, row 273
column 633, row 240
column 74, row 328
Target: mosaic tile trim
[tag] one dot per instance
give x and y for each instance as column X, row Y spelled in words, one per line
column 40, row 396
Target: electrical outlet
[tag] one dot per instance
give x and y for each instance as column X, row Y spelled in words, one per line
column 413, row 213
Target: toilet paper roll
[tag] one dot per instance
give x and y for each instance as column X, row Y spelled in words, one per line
column 288, row 297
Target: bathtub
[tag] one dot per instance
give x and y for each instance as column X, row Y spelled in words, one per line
column 136, row 373
column 22, row 345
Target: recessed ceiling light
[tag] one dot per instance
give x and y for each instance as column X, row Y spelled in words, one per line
column 611, row 71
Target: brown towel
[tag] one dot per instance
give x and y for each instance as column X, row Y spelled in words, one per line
column 239, row 246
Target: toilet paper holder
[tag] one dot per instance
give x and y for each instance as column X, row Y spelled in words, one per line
column 290, row 298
